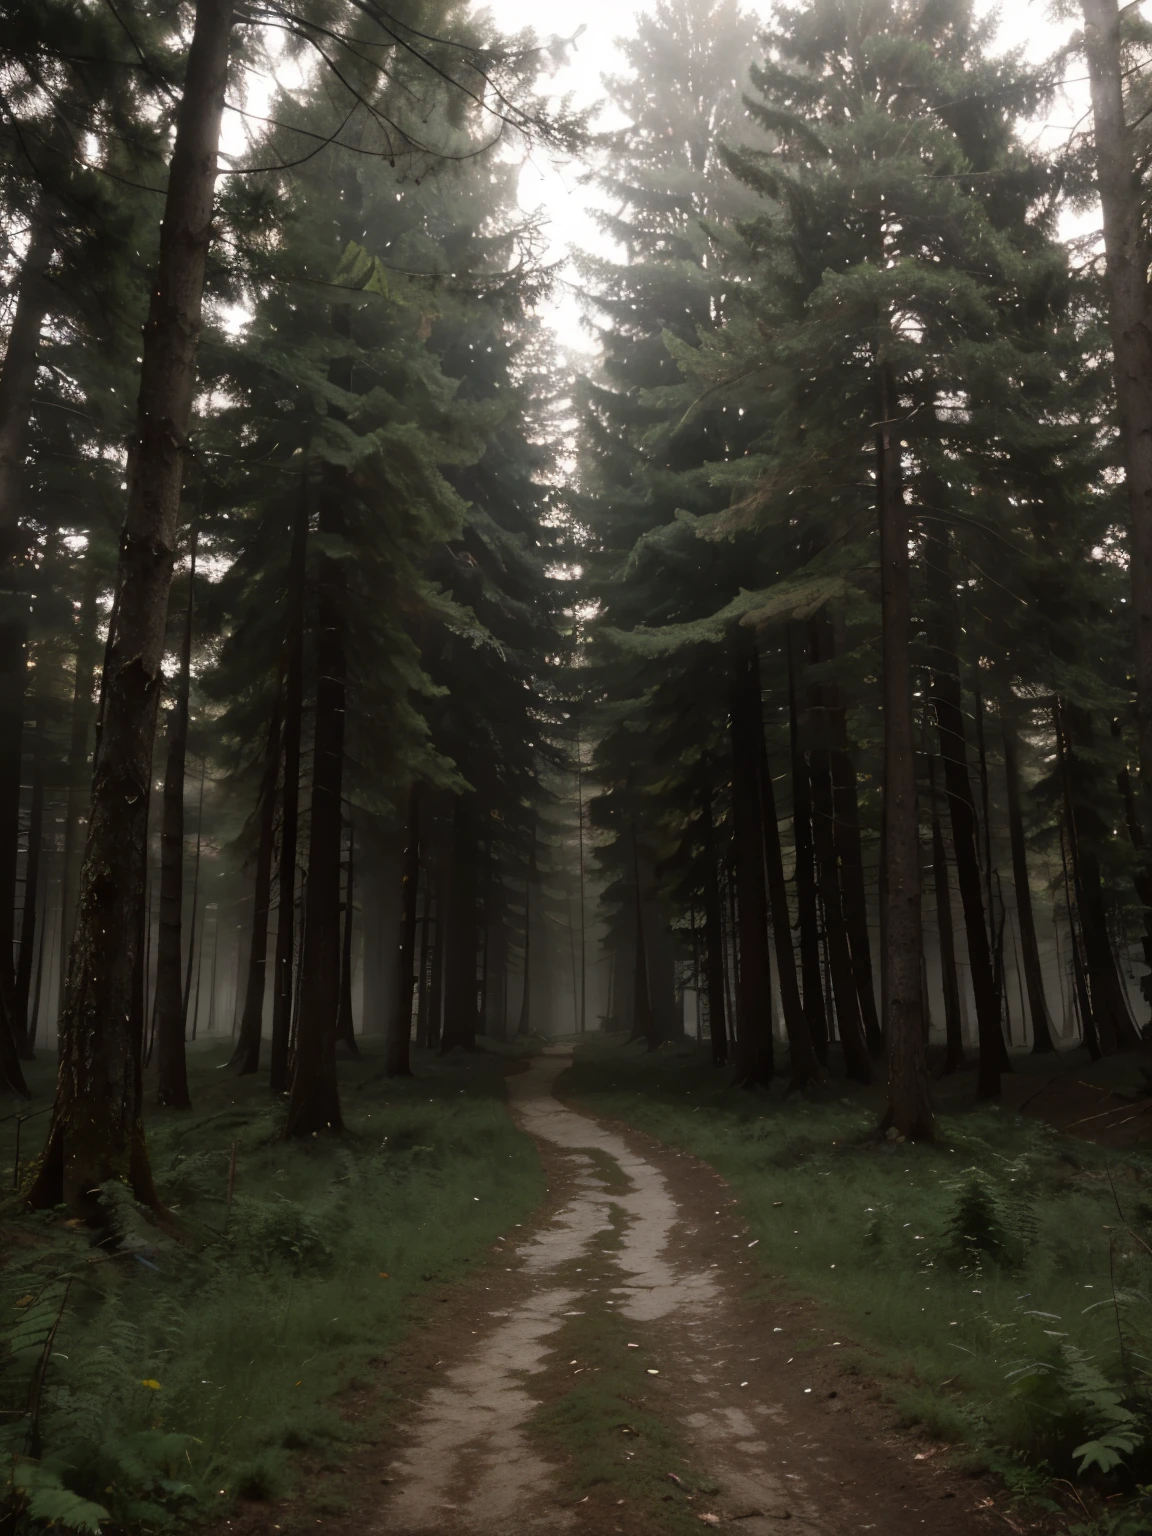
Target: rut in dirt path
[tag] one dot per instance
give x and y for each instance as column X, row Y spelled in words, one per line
column 470, row 1467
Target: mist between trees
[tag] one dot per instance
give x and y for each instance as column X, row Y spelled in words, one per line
column 780, row 674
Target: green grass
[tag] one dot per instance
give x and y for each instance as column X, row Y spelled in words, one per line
column 250, row 1321
column 996, row 1348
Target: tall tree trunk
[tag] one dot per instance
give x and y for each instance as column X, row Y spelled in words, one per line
column 644, row 1024
column 1096, row 1040
column 460, row 976
column 1088, row 1033
column 1120, row 183
column 1112, row 1017
column 424, row 978
column 1109, row 995
column 947, row 703
column 841, row 973
column 345, row 1021
column 18, row 376
column 525, row 1005
column 246, row 1056
column 846, row 834
column 642, row 1016
column 381, row 885
column 713, row 937
column 731, row 953
column 754, row 1055
column 1143, row 872
column 87, row 659
column 314, row 1103
column 803, row 1066
column 284, row 975
column 97, row 1128
column 583, row 1014
column 397, row 1058
column 47, row 939
column 28, row 916
column 1042, row 1040
column 195, row 910
column 909, row 1101
column 807, row 904
column 435, row 1021
column 496, row 993
column 172, row 1067
column 17, row 381
column 953, row 1019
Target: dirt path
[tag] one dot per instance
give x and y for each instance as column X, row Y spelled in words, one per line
column 643, row 1274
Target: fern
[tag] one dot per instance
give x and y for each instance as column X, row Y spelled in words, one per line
column 1072, row 1389
column 1116, row 1431
column 39, row 1489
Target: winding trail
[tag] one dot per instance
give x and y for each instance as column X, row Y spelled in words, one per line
column 629, row 1243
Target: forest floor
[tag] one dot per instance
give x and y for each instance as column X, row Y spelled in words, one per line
column 620, row 1366
column 644, row 1303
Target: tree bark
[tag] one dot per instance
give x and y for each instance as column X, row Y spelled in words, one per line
column 841, row 973
column 909, row 1102
column 1042, row 1040
column 28, row 915
column 953, row 1018
column 172, row 1067
column 525, row 1008
column 1119, row 182
column 397, row 1051
column 803, row 1065
column 713, row 937
column 78, row 770
column 17, row 382
column 424, row 978
column 947, row 703
column 345, row 1021
column 754, row 1055
column 644, row 1024
column 435, row 1019
column 246, row 1056
column 195, row 912
column 314, row 1103
column 1114, row 1025
column 97, row 1130
column 460, row 977
column 284, row 975
column 1143, row 872
column 807, row 902
column 1080, row 993
column 846, row 836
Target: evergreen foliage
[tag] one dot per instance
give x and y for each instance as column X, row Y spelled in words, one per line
column 779, row 673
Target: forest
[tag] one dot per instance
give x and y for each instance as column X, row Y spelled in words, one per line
column 483, row 813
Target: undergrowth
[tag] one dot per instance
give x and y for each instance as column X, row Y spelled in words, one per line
column 998, row 1282
column 151, row 1380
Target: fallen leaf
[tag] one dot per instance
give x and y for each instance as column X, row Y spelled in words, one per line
column 153, row 1386
column 383, row 1274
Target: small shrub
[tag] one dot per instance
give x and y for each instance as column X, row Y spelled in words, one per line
column 986, row 1224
